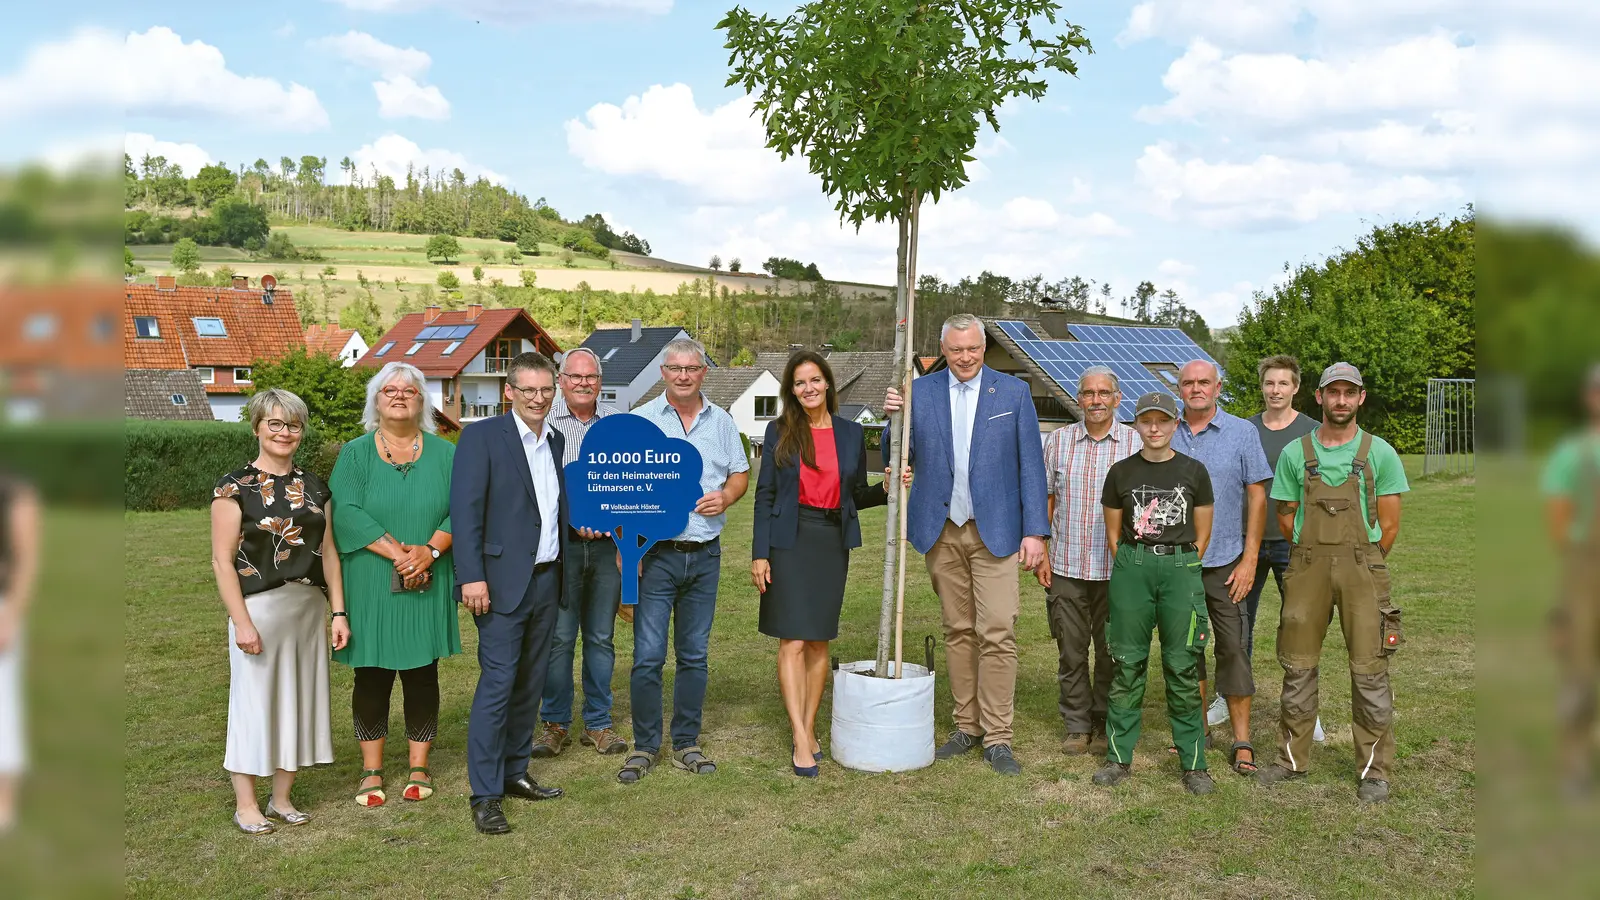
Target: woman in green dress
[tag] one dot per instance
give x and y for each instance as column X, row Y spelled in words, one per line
column 392, row 486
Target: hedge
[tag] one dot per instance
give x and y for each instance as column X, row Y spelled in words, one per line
column 174, row 465
column 69, row 463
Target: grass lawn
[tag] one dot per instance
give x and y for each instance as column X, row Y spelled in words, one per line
column 754, row 830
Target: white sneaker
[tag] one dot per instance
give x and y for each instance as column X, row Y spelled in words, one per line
column 1217, row 713
column 1318, row 734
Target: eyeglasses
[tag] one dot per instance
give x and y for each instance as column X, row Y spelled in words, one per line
column 529, row 393
column 1097, row 395
column 401, row 393
column 684, row 370
column 277, row 425
column 581, row 379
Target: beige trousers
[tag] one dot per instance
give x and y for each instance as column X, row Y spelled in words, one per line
column 979, row 595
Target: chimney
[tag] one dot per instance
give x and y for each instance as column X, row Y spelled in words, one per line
column 474, row 310
column 638, row 331
column 429, row 313
column 241, row 282
column 166, row 283
column 827, row 349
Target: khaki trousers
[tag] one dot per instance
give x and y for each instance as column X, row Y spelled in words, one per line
column 979, row 596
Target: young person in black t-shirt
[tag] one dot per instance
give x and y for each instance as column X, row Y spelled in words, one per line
column 1158, row 520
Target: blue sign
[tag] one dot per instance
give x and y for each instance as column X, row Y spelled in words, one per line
column 635, row 482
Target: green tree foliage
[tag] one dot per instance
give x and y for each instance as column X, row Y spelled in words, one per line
column 513, row 255
column 488, row 255
column 212, row 183
column 448, row 280
column 735, row 265
column 715, row 264
column 443, row 247
column 528, row 277
column 1398, row 305
column 528, row 241
column 792, row 269
column 129, row 267
column 186, row 256
column 892, row 121
column 364, row 316
column 279, row 246
column 477, row 274
column 334, row 395
column 240, row 221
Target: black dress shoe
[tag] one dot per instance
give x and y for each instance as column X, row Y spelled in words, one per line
column 960, row 742
column 488, row 818
column 528, row 789
column 1000, row 759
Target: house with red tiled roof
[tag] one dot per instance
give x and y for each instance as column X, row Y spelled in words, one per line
column 343, row 344
column 218, row 332
column 59, row 351
column 463, row 354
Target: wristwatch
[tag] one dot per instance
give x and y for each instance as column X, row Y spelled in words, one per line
column 434, row 549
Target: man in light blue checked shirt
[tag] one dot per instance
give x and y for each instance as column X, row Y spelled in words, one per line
column 679, row 577
column 1230, row 449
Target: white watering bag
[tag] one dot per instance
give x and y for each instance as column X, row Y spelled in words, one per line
column 882, row 724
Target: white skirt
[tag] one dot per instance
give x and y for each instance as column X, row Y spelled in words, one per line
column 13, row 749
column 278, row 699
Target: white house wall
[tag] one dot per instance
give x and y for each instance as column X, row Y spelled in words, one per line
column 227, row 407
column 743, row 409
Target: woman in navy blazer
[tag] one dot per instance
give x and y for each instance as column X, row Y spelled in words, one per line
column 813, row 482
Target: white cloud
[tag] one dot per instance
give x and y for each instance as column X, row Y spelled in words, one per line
column 366, row 51
column 1272, row 190
column 1270, row 90
column 151, row 73
column 720, row 156
column 399, row 97
column 1265, row 23
column 190, row 157
column 1240, row 21
column 515, row 11
column 391, row 154
column 1172, row 268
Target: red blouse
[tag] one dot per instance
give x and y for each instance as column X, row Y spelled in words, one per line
column 820, row 486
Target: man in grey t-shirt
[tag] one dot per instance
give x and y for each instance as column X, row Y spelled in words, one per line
column 1278, row 424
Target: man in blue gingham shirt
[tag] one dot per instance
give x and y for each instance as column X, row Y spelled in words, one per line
column 678, row 578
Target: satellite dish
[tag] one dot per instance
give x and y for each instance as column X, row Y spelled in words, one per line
column 269, row 283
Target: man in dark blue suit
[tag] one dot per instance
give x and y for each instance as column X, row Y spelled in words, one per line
column 509, row 511
column 977, row 510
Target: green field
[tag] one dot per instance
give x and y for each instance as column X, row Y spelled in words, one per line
column 373, row 248
column 754, row 830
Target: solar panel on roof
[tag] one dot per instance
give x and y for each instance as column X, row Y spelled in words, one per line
column 1125, row 349
column 427, row 334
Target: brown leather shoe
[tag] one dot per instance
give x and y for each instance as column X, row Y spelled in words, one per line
column 551, row 741
column 1076, row 744
column 604, row 741
column 1098, row 745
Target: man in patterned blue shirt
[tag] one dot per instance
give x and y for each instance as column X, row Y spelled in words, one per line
column 1230, row 449
column 678, row 578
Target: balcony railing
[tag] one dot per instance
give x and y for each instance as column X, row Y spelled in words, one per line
column 485, row 410
column 496, row 364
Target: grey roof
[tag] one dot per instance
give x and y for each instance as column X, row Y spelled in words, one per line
column 722, row 386
column 860, row 376
column 631, row 356
column 852, row 411
column 149, row 394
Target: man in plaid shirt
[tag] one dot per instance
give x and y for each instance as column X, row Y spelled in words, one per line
column 1077, row 571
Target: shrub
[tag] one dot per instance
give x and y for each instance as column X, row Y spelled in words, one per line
column 68, row 463
column 174, row 465
column 448, row 280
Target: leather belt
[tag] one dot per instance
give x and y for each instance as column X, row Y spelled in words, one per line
column 1169, row 549
column 685, row 546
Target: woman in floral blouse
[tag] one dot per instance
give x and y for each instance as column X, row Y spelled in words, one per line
column 273, row 554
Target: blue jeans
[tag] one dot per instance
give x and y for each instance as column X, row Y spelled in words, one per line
column 590, row 602
column 681, row 586
column 1274, row 556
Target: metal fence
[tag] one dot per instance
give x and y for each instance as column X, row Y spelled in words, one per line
column 1451, row 424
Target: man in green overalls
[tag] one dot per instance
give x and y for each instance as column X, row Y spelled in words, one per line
column 1338, row 491
column 1158, row 508
column 1572, row 485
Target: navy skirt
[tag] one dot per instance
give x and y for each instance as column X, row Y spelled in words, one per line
column 807, row 590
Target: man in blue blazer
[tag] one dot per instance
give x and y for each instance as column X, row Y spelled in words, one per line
column 977, row 511
column 506, row 492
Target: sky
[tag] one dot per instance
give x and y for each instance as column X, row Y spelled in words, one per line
column 1204, row 146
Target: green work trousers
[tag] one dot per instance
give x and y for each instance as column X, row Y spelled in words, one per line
column 1161, row 592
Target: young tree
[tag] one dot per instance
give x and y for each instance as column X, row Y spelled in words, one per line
column 448, row 280
column 894, row 120
column 186, row 256
column 335, row 396
column 735, row 265
column 513, row 256
column 716, row 263
column 364, row 316
column 477, row 274
column 443, row 247
column 529, row 277
column 488, row 256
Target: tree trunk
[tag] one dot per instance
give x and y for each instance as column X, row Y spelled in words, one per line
column 894, row 488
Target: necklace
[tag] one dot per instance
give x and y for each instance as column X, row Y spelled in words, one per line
column 403, row 468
